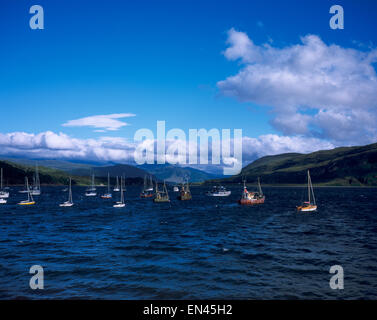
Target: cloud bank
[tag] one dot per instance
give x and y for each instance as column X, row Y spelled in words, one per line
column 314, row 89
column 116, row 149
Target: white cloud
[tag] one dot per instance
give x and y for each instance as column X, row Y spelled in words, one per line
column 105, row 122
column 314, row 89
column 61, row 146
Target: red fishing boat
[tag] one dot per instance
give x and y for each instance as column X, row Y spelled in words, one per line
column 251, row 198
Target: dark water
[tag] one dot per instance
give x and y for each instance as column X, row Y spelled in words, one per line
column 204, row 248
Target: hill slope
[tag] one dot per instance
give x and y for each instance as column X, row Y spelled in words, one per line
column 15, row 173
column 343, row 166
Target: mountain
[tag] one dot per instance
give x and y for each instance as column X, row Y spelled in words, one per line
column 345, row 166
column 177, row 174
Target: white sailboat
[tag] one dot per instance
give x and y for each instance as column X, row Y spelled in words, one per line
column 25, row 190
column 91, row 191
column 3, row 194
column 120, row 204
column 36, row 190
column 116, row 188
column 30, row 200
column 309, row 205
column 107, row 195
column 68, row 203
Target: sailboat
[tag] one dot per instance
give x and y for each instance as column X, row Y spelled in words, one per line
column 251, row 198
column 161, row 196
column 68, row 203
column 147, row 189
column 116, row 188
column 91, row 191
column 309, row 205
column 107, row 195
column 30, row 200
column 3, row 194
column 25, row 190
column 36, row 189
column 120, row 204
column 185, row 193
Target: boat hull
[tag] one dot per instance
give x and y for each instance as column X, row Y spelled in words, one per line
column 143, row 195
column 90, row 194
column 307, row 208
column 4, row 195
column 161, row 200
column 251, row 202
column 66, row 204
column 26, row 203
column 119, row 205
column 3, row 201
column 223, row 194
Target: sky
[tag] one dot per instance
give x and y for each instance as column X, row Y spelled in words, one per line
column 100, row 70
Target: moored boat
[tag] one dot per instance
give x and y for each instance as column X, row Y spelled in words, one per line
column 68, row 203
column 251, row 198
column 3, row 194
column 120, row 204
column 163, row 195
column 30, row 200
column 310, row 205
column 91, row 191
column 107, row 195
column 185, row 193
column 147, row 191
column 218, row 191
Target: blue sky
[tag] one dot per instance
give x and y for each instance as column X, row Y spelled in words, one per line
column 159, row 60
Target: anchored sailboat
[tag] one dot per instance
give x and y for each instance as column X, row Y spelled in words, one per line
column 116, row 188
column 3, row 194
column 68, row 203
column 251, row 198
column 309, row 205
column 148, row 188
column 107, row 195
column 91, row 191
column 30, row 200
column 161, row 196
column 36, row 189
column 120, row 204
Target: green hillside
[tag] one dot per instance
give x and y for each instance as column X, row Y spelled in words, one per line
column 15, row 173
column 345, row 166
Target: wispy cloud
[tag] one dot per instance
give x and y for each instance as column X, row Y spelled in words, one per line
column 107, row 122
column 314, row 89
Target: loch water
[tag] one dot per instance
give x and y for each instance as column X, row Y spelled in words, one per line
column 206, row 248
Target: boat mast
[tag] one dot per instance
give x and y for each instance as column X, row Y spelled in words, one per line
column 1, row 187
column 29, row 195
column 121, row 190
column 108, row 182
column 309, row 186
column 70, row 191
column 259, row 187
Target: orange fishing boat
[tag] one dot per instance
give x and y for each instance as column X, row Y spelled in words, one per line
column 251, row 198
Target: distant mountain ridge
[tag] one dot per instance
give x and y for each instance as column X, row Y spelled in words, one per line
column 64, row 168
column 344, row 166
column 177, row 174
